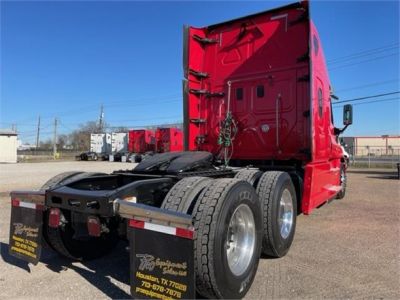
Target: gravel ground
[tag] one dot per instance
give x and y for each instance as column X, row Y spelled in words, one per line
column 347, row 249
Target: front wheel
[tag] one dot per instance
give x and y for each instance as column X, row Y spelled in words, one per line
column 343, row 182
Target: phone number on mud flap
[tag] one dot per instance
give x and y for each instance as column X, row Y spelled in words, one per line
column 24, row 246
column 159, row 287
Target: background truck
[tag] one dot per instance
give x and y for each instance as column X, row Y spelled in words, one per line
column 260, row 148
column 119, row 142
column 141, row 141
column 169, row 139
column 100, row 143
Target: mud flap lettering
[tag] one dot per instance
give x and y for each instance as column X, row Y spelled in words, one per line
column 26, row 231
column 161, row 261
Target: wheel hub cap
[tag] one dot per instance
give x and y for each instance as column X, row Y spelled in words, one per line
column 240, row 241
column 285, row 214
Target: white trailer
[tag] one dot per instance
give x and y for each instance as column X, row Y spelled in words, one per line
column 119, row 142
column 100, row 142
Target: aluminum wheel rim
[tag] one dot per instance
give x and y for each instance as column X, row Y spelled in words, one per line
column 342, row 179
column 285, row 214
column 240, row 241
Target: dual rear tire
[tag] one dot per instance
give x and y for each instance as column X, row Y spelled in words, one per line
column 235, row 220
column 227, row 243
column 278, row 201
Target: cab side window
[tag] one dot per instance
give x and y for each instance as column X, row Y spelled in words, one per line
column 320, row 102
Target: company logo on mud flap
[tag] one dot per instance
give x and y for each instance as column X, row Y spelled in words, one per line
column 149, row 263
column 20, row 229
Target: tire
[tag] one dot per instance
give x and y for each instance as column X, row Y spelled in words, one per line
column 61, row 239
column 343, row 183
column 215, row 276
column 183, row 195
column 251, row 176
column 95, row 157
column 58, row 179
column 273, row 189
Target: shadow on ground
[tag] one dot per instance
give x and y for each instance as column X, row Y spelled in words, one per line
column 97, row 272
column 384, row 177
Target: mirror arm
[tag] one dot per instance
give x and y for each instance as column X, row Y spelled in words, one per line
column 340, row 131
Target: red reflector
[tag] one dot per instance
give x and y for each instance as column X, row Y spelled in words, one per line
column 185, row 233
column 14, row 202
column 136, row 223
column 94, row 226
column 54, row 217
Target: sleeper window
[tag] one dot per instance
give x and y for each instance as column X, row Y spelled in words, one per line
column 239, row 93
column 260, row 91
column 320, row 102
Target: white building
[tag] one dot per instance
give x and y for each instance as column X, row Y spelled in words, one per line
column 8, row 146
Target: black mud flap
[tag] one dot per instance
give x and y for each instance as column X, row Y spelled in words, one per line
column 161, row 261
column 26, row 230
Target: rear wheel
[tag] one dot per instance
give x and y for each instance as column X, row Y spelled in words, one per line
column 58, row 179
column 250, row 175
column 279, row 205
column 183, row 195
column 62, row 239
column 227, row 220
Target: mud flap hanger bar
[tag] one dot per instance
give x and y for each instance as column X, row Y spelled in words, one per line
column 129, row 210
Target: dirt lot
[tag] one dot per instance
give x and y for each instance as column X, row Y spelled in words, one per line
column 347, row 249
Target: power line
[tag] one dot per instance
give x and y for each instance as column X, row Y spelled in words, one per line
column 367, row 85
column 94, row 107
column 366, row 97
column 363, row 61
column 368, row 102
column 152, row 118
column 363, row 53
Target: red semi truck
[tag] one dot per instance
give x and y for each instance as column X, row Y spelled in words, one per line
column 169, row 139
column 260, row 149
column 141, row 141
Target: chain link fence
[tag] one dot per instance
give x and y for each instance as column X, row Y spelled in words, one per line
column 46, row 155
column 374, row 156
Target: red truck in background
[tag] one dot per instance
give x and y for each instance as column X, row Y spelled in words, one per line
column 260, row 148
column 141, row 141
column 169, row 139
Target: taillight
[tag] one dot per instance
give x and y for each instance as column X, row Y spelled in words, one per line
column 94, row 226
column 54, row 217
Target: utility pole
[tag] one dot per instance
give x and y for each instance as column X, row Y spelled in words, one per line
column 101, row 118
column 55, row 139
column 37, row 134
